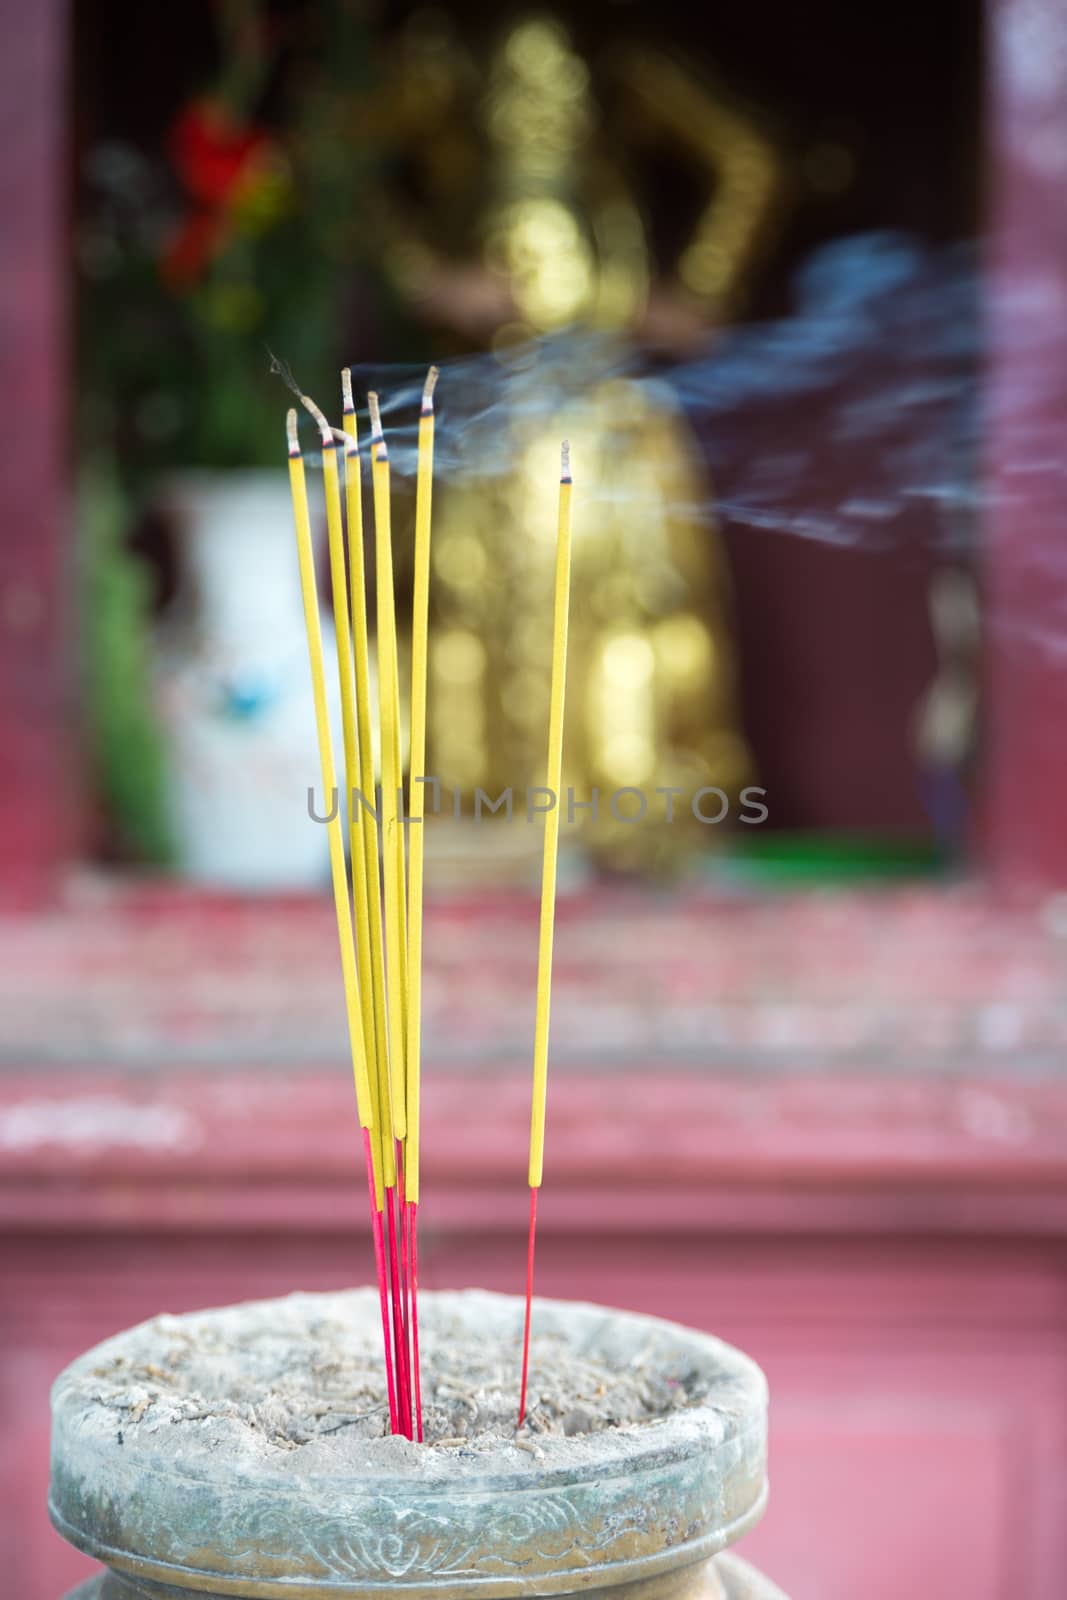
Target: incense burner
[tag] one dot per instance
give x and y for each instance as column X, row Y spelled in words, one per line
column 177, row 1501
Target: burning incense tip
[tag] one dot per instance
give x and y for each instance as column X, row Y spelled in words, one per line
column 346, row 389
column 291, row 432
column 324, row 427
column 429, row 387
column 565, row 460
column 376, row 434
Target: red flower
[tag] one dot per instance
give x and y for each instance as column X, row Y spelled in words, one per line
column 216, row 157
column 214, row 154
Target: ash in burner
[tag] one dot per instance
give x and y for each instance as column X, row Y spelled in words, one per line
column 289, row 1391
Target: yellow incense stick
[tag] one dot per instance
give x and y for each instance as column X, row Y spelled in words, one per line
column 400, row 843
column 392, row 836
column 416, row 787
column 310, row 596
column 367, row 825
column 553, row 781
column 353, row 777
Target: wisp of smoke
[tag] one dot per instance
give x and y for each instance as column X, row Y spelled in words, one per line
column 835, row 422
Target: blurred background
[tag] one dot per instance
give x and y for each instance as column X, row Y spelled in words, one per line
column 795, row 284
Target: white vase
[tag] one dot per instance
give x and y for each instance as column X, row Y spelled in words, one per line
column 234, row 689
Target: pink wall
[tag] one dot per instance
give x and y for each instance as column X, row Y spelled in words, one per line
column 36, row 809
column 1027, row 440
column 893, row 1256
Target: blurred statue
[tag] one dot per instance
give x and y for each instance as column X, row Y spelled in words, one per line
column 517, row 217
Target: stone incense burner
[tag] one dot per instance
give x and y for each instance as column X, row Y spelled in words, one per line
column 240, row 1452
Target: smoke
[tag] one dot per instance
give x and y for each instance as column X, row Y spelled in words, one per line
column 841, row 420
column 853, row 420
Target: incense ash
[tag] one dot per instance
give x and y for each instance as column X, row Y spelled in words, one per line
column 305, row 1374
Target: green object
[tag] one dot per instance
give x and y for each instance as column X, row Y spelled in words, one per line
column 773, row 859
column 125, row 745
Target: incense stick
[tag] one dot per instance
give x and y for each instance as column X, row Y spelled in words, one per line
column 553, row 782
column 309, row 592
column 393, row 866
column 415, row 1319
column 355, row 995
column 383, row 1293
column 417, row 814
column 392, row 833
column 404, row 1319
column 398, row 1331
column 346, row 678
column 417, row 775
column 364, row 804
column 529, row 1306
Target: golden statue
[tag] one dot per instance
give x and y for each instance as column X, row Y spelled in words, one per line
column 520, row 222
